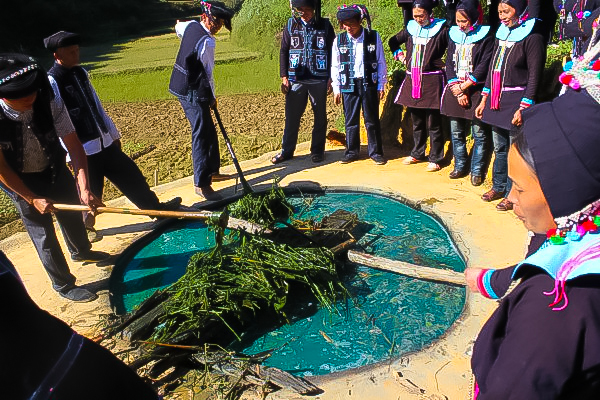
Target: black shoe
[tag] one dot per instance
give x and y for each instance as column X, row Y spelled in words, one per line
column 348, row 159
column 90, row 256
column 456, row 174
column 379, row 160
column 78, row 294
column 208, row 193
column 476, row 180
column 317, row 158
column 171, row 205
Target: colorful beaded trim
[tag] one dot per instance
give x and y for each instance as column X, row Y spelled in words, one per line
column 584, row 73
column 19, row 73
column 573, row 227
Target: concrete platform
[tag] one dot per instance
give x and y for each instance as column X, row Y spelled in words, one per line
column 486, row 237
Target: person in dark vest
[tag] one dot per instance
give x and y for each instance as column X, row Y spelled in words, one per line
column 515, row 72
column 304, row 67
column 426, row 40
column 359, row 75
column 193, row 83
column 97, row 133
column 33, row 171
column 467, row 64
column 543, row 340
column 43, row 358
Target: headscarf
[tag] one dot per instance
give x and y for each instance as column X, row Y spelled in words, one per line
column 61, row 39
column 471, row 8
column 20, row 76
column 520, row 6
column 302, row 3
column 427, row 5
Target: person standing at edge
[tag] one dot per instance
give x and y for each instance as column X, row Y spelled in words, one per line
column 96, row 131
column 359, row 74
column 33, row 172
column 467, row 64
column 426, row 41
column 304, row 67
column 514, row 75
column 193, row 83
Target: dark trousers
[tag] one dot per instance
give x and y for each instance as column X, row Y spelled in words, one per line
column 366, row 98
column 427, row 122
column 500, row 180
column 118, row 168
column 295, row 105
column 206, row 159
column 40, row 227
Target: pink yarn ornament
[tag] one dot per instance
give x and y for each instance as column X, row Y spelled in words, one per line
column 574, row 85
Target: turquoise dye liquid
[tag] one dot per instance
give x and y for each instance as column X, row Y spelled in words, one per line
column 388, row 314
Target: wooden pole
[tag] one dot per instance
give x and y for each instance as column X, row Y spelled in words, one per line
column 225, row 220
column 408, row 269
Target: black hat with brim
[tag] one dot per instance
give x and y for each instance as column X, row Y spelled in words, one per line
column 563, row 139
column 20, row 76
column 471, row 8
column 303, row 3
column 427, row 5
column 61, row 39
column 218, row 9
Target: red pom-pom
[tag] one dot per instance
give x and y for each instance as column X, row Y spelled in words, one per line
column 565, row 79
column 589, row 226
column 551, row 233
column 596, row 65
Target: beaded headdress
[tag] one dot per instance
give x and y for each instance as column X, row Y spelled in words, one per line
column 584, row 73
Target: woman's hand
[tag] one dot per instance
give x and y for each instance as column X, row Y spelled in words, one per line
column 517, row 118
column 480, row 108
column 464, row 101
column 471, row 276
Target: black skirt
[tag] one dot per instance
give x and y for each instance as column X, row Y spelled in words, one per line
column 431, row 91
column 451, row 108
column 510, row 101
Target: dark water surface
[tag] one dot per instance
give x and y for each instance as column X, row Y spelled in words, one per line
column 388, row 315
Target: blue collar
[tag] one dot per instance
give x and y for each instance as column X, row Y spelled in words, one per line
column 516, row 34
column 551, row 257
column 459, row 37
column 426, row 32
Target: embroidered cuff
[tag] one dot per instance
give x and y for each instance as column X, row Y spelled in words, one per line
column 397, row 54
column 473, row 79
column 484, row 284
column 453, row 80
column 485, row 91
column 525, row 102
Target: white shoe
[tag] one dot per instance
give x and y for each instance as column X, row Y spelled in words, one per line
column 432, row 167
column 410, row 160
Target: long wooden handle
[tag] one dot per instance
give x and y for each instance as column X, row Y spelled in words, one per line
column 408, row 269
column 225, row 220
column 202, row 215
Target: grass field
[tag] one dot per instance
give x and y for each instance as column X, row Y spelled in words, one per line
column 140, row 70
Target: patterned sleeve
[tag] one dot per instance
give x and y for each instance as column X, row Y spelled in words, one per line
column 62, row 121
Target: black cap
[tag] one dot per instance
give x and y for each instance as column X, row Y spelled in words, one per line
column 427, row 5
column 563, row 139
column 61, row 39
column 218, row 9
column 345, row 13
column 303, row 3
column 20, row 76
column 519, row 5
column 471, row 8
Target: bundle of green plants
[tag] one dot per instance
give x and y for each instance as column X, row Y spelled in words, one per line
column 236, row 281
column 263, row 208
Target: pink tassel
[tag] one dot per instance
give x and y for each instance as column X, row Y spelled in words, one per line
column 496, row 88
column 416, row 82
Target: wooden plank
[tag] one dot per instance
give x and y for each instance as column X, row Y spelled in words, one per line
column 408, row 269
